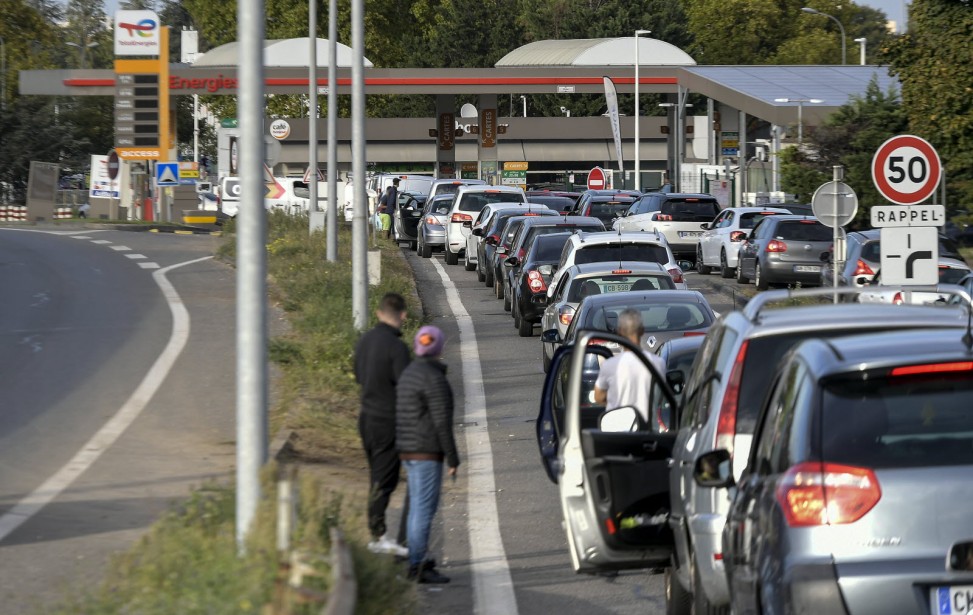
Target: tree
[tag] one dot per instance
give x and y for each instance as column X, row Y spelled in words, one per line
column 848, row 138
column 933, row 63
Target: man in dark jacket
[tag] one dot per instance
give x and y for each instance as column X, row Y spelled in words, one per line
column 380, row 358
column 424, row 436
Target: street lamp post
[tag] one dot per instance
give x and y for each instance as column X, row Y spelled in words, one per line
column 800, row 113
column 3, row 73
column 861, row 42
column 638, row 179
column 83, row 48
column 844, row 55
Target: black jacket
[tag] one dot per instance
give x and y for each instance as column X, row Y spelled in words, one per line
column 380, row 357
column 424, row 411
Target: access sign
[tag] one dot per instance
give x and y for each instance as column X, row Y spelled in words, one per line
column 906, row 170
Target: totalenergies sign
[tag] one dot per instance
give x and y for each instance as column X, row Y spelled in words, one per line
column 136, row 33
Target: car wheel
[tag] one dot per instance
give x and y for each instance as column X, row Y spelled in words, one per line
column 725, row 271
column 413, row 245
column 425, row 251
column 758, row 278
column 516, row 314
column 507, row 306
column 545, row 360
column 525, row 327
column 451, row 257
column 497, row 288
column 467, row 263
column 488, row 278
column 678, row 600
column 741, row 279
column 700, row 605
column 700, row 266
column 480, row 275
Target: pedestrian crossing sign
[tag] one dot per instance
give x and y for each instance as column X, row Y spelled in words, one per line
column 167, row 174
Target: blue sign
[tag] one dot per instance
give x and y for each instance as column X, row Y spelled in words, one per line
column 167, row 174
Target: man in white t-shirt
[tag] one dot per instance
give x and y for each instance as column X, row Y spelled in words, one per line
column 623, row 379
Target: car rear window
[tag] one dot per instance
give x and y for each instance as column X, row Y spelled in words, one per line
column 751, row 218
column 415, row 185
column 669, row 316
column 872, row 251
column 951, row 275
column 478, row 200
column 803, row 230
column 548, row 248
column 609, row 283
column 536, row 231
column 690, row 210
column 607, row 210
column 447, row 188
column 905, row 422
column 621, row 251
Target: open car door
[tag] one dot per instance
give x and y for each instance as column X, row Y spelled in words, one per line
column 613, row 481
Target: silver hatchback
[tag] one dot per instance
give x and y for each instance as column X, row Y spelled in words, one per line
column 858, row 493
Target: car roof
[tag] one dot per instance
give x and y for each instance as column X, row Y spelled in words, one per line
column 487, row 188
column 952, row 262
column 567, row 221
column 681, row 345
column 857, row 353
column 682, row 195
column 645, row 297
column 612, row 192
column 462, row 182
column 602, row 237
column 750, row 209
column 608, row 266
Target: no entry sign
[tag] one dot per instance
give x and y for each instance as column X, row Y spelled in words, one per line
column 906, row 170
column 596, row 179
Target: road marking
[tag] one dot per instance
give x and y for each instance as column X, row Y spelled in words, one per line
column 149, row 265
column 493, row 590
column 100, row 242
column 123, row 418
column 121, row 248
column 135, row 256
column 79, row 237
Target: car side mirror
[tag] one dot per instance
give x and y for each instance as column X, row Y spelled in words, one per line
column 478, row 232
column 621, row 420
column 705, row 226
column 551, row 336
column 490, row 241
column 714, row 470
column 676, row 380
column 513, row 261
column 545, row 269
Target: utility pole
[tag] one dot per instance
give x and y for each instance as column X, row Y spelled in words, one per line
column 359, row 230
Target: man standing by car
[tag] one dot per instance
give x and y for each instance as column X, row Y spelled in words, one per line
column 380, row 358
column 424, row 434
column 623, row 379
column 387, row 204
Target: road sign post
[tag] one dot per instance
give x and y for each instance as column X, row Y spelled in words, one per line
column 835, row 204
column 906, row 170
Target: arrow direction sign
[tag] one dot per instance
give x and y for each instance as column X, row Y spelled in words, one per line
column 910, row 256
column 274, row 189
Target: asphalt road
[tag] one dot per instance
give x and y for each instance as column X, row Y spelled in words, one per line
column 82, row 322
column 527, row 502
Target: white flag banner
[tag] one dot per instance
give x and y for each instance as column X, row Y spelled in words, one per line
column 611, row 97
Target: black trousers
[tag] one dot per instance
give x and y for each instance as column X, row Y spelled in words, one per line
column 378, row 439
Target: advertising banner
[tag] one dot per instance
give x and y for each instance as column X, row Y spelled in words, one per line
column 101, row 185
column 611, row 97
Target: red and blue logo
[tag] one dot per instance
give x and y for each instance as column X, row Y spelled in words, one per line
column 143, row 28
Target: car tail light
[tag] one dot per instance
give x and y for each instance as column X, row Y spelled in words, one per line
column 820, row 493
column 565, row 314
column 738, row 235
column 897, row 298
column 676, row 274
column 661, row 217
column 932, row 368
column 862, row 268
column 492, row 239
column 536, row 281
column 776, row 246
column 433, row 220
column 461, row 218
column 621, row 271
column 693, row 333
column 521, row 253
column 726, row 425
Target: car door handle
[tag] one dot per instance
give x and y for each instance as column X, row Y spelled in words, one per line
column 650, row 447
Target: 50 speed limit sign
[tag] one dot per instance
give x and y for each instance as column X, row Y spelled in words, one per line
column 906, row 170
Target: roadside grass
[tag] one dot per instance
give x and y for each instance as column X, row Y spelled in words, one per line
column 188, row 561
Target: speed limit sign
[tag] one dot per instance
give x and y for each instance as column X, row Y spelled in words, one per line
column 906, row 170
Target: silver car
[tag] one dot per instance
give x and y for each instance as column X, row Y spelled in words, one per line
column 857, row 497
column 431, row 234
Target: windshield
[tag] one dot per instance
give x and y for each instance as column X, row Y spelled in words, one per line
column 656, row 317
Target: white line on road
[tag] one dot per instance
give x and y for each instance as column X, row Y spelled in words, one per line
column 126, row 415
column 493, row 590
column 135, row 256
column 149, row 265
column 100, row 242
column 121, row 248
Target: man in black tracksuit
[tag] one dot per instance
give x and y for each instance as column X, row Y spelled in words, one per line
column 380, row 358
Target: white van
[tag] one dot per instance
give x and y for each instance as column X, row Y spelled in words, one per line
column 295, row 199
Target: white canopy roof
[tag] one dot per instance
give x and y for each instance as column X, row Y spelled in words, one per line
column 596, row 52
column 291, row 52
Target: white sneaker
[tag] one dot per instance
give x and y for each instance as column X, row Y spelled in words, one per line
column 387, row 545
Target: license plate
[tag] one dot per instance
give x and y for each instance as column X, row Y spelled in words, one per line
column 617, row 288
column 807, row 268
column 951, row 600
column 690, row 233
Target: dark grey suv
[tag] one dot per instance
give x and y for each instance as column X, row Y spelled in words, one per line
column 857, row 496
column 785, row 250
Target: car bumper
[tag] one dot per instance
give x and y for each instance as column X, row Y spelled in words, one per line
column 532, row 308
column 811, row 587
column 433, row 237
column 781, row 272
column 707, row 533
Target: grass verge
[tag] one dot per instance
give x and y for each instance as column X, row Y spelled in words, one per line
column 188, row 561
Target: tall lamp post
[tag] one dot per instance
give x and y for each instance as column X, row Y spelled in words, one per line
column 84, row 49
column 3, row 74
column 800, row 113
column 638, row 157
column 844, row 55
column 861, row 43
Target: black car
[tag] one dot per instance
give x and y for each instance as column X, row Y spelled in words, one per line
column 606, row 205
column 530, row 290
column 507, row 233
column 491, row 238
column 406, row 218
column 525, row 236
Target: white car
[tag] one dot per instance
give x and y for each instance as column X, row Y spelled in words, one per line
column 678, row 216
column 469, row 201
column 612, row 246
column 719, row 245
column 952, row 272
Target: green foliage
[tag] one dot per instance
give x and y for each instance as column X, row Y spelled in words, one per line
column 933, row 63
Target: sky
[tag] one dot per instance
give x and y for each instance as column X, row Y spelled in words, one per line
column 895, row 9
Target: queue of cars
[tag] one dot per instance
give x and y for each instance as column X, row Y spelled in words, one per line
column 801, row 454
